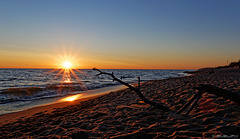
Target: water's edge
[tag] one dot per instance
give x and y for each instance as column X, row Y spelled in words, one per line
column 21, row 106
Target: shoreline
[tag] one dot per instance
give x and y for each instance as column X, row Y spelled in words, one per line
column 121, row 114
column 48, row 108
column 48, row 101
column 58, row 103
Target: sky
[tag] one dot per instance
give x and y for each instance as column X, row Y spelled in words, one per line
column 119, row 34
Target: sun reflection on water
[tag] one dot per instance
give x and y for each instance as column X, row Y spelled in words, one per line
column 71, row 98
column 67, row 80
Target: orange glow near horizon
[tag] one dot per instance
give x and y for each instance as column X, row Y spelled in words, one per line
column 74, row 59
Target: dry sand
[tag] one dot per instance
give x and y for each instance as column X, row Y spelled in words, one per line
column 122, row 114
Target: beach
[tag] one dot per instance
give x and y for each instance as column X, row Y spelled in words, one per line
column 122, row 114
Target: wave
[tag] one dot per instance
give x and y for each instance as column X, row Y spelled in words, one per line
column 8, row 79
column 50, row 91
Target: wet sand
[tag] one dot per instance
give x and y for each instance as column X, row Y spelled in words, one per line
column 54, row 103
column 12, row 117
column 121, row 114
column 20, row 106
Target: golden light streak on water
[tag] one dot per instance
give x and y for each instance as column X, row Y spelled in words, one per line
column 67, row 80
column 72, row 98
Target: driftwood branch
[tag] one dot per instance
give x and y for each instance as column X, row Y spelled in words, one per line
column 187, row 104
column 233, row 96
column 136, row 90
column 199, row 95
column 138, row 83
column 196, row 97
column 207, row 88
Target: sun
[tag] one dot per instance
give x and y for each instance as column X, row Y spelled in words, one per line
column 67, row 65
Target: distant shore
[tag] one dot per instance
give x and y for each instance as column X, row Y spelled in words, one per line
column 121, row 114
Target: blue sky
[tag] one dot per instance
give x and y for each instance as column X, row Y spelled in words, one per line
column 126, row 33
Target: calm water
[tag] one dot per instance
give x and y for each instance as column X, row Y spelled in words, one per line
column 19, row 86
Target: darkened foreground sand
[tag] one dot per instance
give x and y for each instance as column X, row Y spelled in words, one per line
column 123, row 115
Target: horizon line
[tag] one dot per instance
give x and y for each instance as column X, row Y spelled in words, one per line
column 100, row 68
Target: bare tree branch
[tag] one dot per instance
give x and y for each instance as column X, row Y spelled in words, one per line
column 136, row 90
column 199, row 95
column 233, row 96
column 187, row 104
column 207, row 88
column 138, row 83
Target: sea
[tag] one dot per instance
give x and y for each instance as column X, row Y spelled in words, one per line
column 22, row 89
